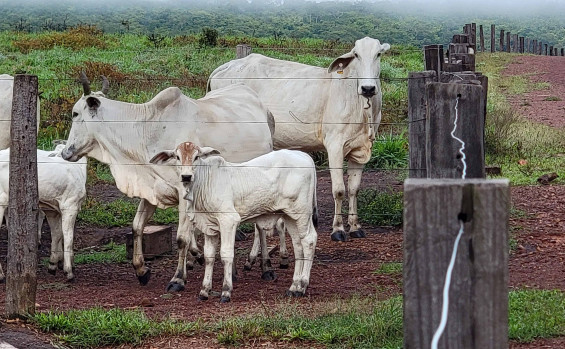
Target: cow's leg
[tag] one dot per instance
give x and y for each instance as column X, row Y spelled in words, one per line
column 268, row 273
column 254, row 250
column 56, row 255
column 186, row 234
column 210, row 245
column 308, row 243
column 335, row 161
column 68, row 217
column 144, row 211
column 40, row 218
column 228, row 226
column 295, row 289
column 283, row 252
column 355, row 171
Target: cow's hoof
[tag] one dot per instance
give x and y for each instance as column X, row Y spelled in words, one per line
column 52, row 269
column 239, row 236
column 225, row 299
column 269, row 275
column 174, row 287
column 202, row 298
column 339, row 236
column 358, row 234
column 297, row 294
column 144, row 279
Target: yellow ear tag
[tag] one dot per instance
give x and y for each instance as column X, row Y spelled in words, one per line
column 340, row 69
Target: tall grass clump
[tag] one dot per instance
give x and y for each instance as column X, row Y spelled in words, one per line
column 380, row 207
column 389, row 151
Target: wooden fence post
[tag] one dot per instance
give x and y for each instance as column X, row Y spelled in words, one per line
column 515, row 46
column 508, row 41
column 21, row 274
column 501, row 43
column 478, row 292
column 433, row 58
column 535, row 46
column 492, row 38
column 522, row 46
column 445, row 102
column 242, row 50
column 481, row 38
column 545, row 49
column 562, row 52
column 417, row 82
column 540, row 44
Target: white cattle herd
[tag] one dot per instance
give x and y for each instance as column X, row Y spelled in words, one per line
column 217, row 158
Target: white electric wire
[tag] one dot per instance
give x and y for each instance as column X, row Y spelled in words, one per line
column 445, row 305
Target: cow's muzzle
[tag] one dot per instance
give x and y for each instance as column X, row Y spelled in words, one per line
column 186, row 178
column 368, row 91
column 68, row 154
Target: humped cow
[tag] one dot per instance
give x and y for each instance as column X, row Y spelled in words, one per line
column 222, row 194
column 336, row 109
column 62, row 189
column 125, row 135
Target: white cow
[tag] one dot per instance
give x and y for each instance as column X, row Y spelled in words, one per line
column 221, row 194
column 6, row 93
column 126, row 135
column 62, row 188
column 336, row 109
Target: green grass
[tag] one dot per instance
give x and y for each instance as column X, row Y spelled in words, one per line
column 358, row 322
column 117, row 213
column 99, row 327
column 389, row 268
column 389, row 152
column 110, row 253
column 536, row 314
column 381, row 208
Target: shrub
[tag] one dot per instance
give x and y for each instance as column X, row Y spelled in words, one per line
column 208, row 37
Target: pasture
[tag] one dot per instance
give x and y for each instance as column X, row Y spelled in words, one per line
column 354, row 296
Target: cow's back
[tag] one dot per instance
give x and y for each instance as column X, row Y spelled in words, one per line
column 296, row 94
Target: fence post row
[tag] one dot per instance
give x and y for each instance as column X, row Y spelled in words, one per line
column 21, row 274
column 242, row 50
column 478, row 292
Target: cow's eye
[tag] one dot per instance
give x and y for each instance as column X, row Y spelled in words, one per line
column 177, row 157
column 356, row 55
column 196, row 157
column 75, row 114
column 378, row 55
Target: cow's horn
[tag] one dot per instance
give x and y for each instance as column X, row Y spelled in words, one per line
column 85, row 83
column 105, row 85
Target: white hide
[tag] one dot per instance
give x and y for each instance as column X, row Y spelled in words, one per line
column 280, row 184
column 6, row 95
column 317, row 109
column 62, row 188
column 125, row 135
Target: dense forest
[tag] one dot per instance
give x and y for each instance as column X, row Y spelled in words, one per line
column 397, row 22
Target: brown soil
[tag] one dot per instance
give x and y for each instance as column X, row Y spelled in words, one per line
column 340, row 269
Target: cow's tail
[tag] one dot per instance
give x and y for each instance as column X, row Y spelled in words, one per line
column 315, row 204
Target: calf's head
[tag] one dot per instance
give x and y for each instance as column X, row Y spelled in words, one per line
column 363, row 63
column 185, row 157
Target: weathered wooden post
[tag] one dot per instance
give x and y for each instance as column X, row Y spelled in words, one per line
column 242, row 50
column 492, row 38
column 434, row 213
column 433, row 58
column 515, row 48
column 521, row 43
column 417, row 105
column 447, row 101
column 535, row 46
column 21, row 274
column 501, row 43
column 551, row 50
column 562, row 52
column 540, row 49
column 545, row 49
column 481, row 38
column 508, row 41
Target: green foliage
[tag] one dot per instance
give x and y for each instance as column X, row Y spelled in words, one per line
column 166, row 216
column 381, row 208
column 98, row 327
column 208, row 37
column 536, row 314
column 110, row 253
column 76, row 38
column 389, row 152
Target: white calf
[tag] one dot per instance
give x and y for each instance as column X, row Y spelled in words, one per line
column 62, row 188
column 221, row 194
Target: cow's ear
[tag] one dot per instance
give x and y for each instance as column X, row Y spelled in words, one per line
column 385, row 47
column 93, row 103
column 204, row 152
column 341, row 62
column 163, row 157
